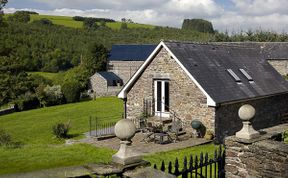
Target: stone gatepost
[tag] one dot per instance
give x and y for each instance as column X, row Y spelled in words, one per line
column 256, row 154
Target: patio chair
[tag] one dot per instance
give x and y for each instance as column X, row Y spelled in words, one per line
column 148, row 133
column 174, row 130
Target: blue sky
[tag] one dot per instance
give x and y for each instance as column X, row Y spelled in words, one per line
column 231, row 15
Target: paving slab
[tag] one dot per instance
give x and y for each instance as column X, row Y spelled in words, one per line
column 147, row 148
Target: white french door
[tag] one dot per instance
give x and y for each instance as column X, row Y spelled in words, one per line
column 161, row 95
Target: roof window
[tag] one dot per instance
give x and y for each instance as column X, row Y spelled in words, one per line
column 232, row 73
column 250, row 79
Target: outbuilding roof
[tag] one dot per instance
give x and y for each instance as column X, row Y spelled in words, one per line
column 130, row 52
column 224, row 73
column 111, row 78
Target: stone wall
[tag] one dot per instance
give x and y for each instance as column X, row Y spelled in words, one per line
column 186, row 99
column 262, row 157
column 124, row 69
column 100, row 88
column 270, row 111
column 98, row 83
column 280, row 65
column 7, row 111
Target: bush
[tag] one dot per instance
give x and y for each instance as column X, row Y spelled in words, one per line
column 26, row 102
column 5, row 138
column 53, row 95
column 60, row 130
column 71, row 91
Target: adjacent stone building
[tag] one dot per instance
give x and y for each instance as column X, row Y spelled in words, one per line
column 123, row 61
column 208, row 82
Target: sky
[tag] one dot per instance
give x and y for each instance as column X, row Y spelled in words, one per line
column 233, row 16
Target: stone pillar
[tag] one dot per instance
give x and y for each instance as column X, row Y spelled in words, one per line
column 125, row 131
column 249, row 154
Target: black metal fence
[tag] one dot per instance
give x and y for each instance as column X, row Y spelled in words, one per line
column 202, row 166
column 99, row 129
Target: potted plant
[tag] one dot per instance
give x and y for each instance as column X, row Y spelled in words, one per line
column 209, row 135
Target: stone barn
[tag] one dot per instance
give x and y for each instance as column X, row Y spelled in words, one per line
column 123, row 61
column 208, row 82
column 105, row 83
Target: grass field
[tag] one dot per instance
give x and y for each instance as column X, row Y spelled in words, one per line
column 58, row 20
column 56, row 78
column 69, row 22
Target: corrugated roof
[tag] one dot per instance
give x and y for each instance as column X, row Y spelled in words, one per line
column 208, row 64
column 130, row 52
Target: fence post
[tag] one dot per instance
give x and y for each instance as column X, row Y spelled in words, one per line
column 176, row 172
column 96, row 125
column 90, row 129
column 184, row 170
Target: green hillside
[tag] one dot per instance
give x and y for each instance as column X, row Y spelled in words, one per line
column 69, row 22
column 58, row 20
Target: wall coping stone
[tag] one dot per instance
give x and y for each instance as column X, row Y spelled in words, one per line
column 265, row 134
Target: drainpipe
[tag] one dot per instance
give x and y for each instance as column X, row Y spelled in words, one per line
column 125, row 108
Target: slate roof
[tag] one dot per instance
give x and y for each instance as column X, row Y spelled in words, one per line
column 130, row 52
column 270, row 50
column 111, row 78
column 208, row 64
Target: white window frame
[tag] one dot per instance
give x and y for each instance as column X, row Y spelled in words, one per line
column 161, row 113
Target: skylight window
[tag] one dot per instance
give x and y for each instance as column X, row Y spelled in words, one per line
column 232, row 73
column 250, row 79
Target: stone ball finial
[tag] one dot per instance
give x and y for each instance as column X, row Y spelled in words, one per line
column 125, row 129
column 246, row 112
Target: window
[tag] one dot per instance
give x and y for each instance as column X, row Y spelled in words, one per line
column 232, row 73
column 250, row 79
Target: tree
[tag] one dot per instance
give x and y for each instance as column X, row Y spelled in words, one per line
column 96, row 58
column 20, row 16
column 199, row 25
column 43, row 21
column 123, row 26
column 2, row 4
column 71, row 91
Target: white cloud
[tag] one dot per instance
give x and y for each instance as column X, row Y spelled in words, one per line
column 261, row 7
column 242, row 15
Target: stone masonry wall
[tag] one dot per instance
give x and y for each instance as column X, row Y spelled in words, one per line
column 124, row 69
column 260, row 157
column 270, row 111
column 280, row 65
column 186, row 99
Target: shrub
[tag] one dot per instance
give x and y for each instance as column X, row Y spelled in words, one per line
column 5, row 138
column 71, row 91
column 26, row 102
column 60, row 130
column 53, row 95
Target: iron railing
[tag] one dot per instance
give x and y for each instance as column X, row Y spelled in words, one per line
column 204, row 167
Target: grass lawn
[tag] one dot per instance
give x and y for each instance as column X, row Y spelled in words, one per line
column 180, row 154
column 157, row 158
column 37, row 157
column 41, row 149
